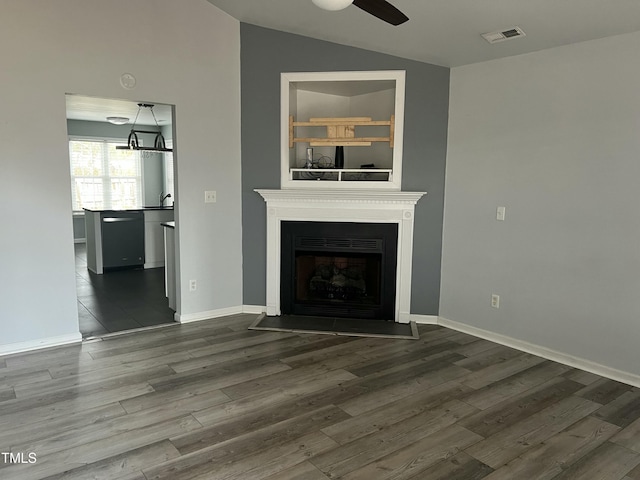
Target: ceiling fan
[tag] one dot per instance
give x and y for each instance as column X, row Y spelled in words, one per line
column 378, row 8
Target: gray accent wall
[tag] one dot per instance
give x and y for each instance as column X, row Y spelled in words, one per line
column 265, row 54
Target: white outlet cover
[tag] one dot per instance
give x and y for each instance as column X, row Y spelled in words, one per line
column 500, row 213
column 210, row 196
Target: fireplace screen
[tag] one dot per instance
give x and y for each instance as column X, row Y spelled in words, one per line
column 338, row 269
column 352, row 278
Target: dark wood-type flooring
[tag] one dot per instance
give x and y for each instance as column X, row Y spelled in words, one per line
column 213, row 400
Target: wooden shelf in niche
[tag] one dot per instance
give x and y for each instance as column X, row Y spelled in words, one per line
column 341, row 131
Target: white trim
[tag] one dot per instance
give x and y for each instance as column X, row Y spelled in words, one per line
column 422, row 319
column 560, row 357
column 49, row 342
column 208, row 315
column 254, row 309
column 79, row 240
column 341, row 206
column 288, row 79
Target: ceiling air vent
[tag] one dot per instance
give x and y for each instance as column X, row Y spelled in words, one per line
column 510, row 34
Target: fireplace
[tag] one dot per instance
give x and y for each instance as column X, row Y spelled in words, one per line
column 318, row 205
column 339, row 269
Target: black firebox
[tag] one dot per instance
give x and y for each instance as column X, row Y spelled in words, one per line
column 339, row 269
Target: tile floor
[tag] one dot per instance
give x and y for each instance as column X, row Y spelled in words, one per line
column 119, row 300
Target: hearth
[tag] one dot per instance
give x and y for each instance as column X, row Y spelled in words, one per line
column 339, row 269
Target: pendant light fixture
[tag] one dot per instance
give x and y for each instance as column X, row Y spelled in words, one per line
column 133, row 143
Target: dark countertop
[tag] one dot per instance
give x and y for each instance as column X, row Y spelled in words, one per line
column 141, row 209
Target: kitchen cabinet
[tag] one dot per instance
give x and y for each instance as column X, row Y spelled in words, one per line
column 154, row 236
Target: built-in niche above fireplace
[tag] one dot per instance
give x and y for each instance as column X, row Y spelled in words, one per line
column 339, row 269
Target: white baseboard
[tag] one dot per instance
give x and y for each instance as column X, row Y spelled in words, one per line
column 153, row 265
column 540, row 351
column 422, row 319
column 20, row 347
column 257, row 309
column 221, row 312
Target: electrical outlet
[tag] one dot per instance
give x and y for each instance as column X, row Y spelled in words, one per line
column 210, row 196
column 193, row 286
column 500, row 213
column 495, row 301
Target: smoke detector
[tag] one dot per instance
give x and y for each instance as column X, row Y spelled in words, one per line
column 501, row 36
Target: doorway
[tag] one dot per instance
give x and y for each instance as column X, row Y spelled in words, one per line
column 106, row 180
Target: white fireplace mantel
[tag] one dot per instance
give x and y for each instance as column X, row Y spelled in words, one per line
column 364, row 206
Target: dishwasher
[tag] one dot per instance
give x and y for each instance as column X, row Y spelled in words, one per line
column 122, row 239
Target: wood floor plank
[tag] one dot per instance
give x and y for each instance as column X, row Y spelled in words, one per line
column 516, row 384
column 275, row 398
column 78, row 385
column 212, row 400
column 23, row 376
column 545, row 461
column 301, row 471
column 493, row 373
column 396, row 392
column 332, row 349
column 508, row 443
column 7, row 394
column 633, row 474
column 515, row 409
column 23, row 432
column 218, row 463
column 629, row 436
column 426, row 353
column 581, row 376
column 416, row 430
column 497, row 354
column 283, row 346
column 359, row 426
column 128, row 465
column 607, row 462
column 457, row 467
column 414, row 459
column 474, row 348
column 183, row 400
column 283, row 379
column 219, row 376
column 262, row 425
column 622, row 411
column 604, row 391
column 26, row 412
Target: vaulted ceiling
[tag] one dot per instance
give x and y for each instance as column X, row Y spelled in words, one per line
column 447, row 32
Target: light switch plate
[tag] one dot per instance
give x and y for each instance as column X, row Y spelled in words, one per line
column 500, row 213
column 210, row 196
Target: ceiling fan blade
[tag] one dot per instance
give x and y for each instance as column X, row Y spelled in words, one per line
column 383, row 10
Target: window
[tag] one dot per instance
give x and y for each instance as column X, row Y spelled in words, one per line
column 103, row 177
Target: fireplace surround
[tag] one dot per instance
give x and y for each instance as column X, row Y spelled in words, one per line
column 349, row 207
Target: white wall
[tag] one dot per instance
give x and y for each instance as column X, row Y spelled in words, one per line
column 183, row 53
column 555, row 137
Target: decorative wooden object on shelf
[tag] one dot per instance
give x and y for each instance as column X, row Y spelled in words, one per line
column 341, row 131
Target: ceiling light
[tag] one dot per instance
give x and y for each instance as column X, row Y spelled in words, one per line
column 133, row 142
column 118, row 120
column 332, row 4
